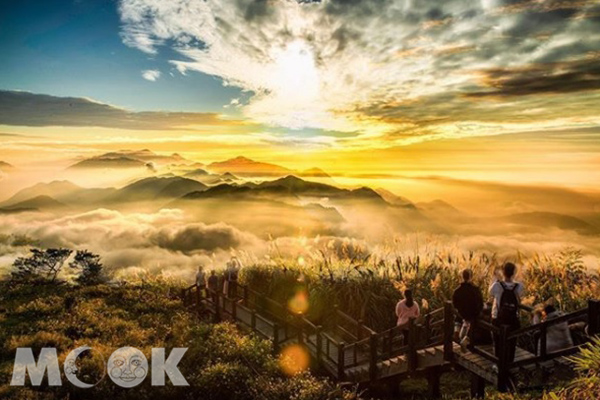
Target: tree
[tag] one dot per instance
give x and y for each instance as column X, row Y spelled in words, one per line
column 41, row 266
column 90, row 266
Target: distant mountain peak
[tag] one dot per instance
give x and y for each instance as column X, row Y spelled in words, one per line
column 244, row 166
column 6, row 166
column 127, row 159
column 315, row 173
column 41, row 202
column 242, row 159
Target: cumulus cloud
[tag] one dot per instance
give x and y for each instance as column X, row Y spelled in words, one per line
column 29, row 109
column 354, row 65
column 170, row 242
column 200, row 237
column 162, row 241
column 563, row 77
column 151, row 75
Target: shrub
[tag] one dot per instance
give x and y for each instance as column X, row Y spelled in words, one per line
column 89, row 266
column 43, row 266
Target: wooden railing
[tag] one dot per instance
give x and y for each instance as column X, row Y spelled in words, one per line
column 536, row 334
column 346, row 342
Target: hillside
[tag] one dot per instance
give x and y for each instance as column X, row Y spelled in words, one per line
column 6, row 167
column 286, row 187
column 220, row 362
column 62, row 191
column 154, row 188
column 52, row 189
column 552, row 220
column 39, row 203
column 102, row 162
column 124, row 159
column 243, row 166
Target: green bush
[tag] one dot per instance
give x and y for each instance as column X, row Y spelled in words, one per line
column 220, row 363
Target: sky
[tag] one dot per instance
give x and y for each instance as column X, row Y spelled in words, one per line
column 502, row 90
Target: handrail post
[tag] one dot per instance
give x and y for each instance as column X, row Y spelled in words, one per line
column 275, row 338
column 412, row 346
column 300, row 330
column 335, row 319
column 427, row 328
column 543, row 341
column 217, row 307
column 234, row 310
column 448, row 331
column 503, row 359
column 359, row 330
column 198, row 299
column 246, row 296
column 261, row 301
column 319, row 343
column 593, row 317
column 253, row 320
column 373, row 357
column 341, row 361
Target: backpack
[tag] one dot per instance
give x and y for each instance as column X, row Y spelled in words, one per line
column 508, row 309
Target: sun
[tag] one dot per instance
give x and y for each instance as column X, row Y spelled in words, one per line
column 296, row 75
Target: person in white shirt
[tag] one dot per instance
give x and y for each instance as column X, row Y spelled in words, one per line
column 201, row 279
column 506, row 295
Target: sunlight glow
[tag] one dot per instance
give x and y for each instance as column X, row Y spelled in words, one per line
column 294, row 359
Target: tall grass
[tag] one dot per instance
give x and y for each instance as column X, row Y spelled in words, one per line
column 367, row 286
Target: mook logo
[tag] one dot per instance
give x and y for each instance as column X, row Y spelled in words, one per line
column 126, row 367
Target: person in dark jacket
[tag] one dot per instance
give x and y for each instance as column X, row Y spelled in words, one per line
column 468, row 301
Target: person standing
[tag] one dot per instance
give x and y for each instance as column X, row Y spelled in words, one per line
column 468, row 301
column 506, row 295
column 201, row 278
column 213, row 281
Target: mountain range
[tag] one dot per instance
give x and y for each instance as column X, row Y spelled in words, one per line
column 246, row 167
column 123, row 159
column 323, row 205
column 239, row 166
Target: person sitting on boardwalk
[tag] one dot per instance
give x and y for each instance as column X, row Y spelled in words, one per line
column 468, row 301
column 558, row 336
column 506, row 296
column 406, row 309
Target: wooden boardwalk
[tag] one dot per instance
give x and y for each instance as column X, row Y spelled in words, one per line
column 349, row 351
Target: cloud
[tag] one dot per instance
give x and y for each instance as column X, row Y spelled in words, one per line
column 151, row 75
column 340, row 65
column 29, row 109
column 161, row 241
column 564, row 77
column 168, row 242
column 200, row 237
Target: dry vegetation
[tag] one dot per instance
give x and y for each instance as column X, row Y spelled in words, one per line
column 221, row 363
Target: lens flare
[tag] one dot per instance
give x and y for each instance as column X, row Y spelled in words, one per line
column 294, row 359
column 299, row 303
